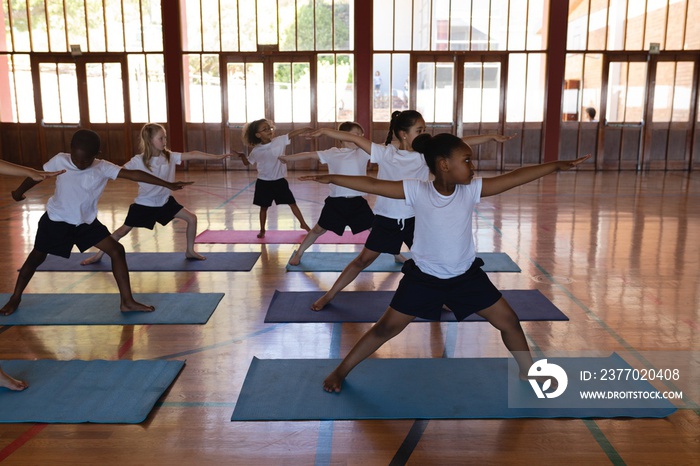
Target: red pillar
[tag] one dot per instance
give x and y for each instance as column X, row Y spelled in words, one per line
column 363, row 63
column 556, row 62
column 172, row 56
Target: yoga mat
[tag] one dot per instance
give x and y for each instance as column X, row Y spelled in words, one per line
column 114, row 392
column 156, row 262
column 439, row 388
column 276, row 237
column 103, row 309
column 368, row 306
column 313, row 261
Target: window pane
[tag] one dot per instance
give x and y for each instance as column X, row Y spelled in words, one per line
column 77, row 34
column 229, row 18
column 421, row 25
column 158, row 110
column 324, row 26
column 191, row 26
column 692, row 27
column 306, row 25
column 383, row 36
column 194, row 111
column 327, row 94
column 20, row 88
column 573, row 76
column 435, row 91
column 235, row 87
column 211, row 88
column 380, row 83
column 634, row 38
column 592, row 83
column 516, row 29
column 103, row 106
column 20, row 31
column 40, row 35
column 255, row 93
column 598, row 24
column 460, row 25
column 655, row 23
column 115, row 28
column 682, row 91
column 245, row 92
column 57, row 22
column 138, row 89
column 479, row 26
column 132, row 26
column 534, row 102
column 481, row 95
column 676, row 21
column 626, row 92
column 576, row 29
column 441, row 25
column 342, row 25
column 59, row 93
column 267, row 21
column 536, row 24
column 246, row 20
column 499, row 25
column 400, row 63
column 672, row 91
column 152, row 25
column 301, row 97
column 283, row 92
column 515, row 88
column 96, row 27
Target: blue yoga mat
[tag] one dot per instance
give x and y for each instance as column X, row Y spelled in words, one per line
column 315, row 261
column 77, row 391
column 440, row 388
column 368, row 306
column 103, row 309
column 156, row 262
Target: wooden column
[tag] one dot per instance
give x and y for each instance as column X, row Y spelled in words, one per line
column 172, row 51
column 556, row 62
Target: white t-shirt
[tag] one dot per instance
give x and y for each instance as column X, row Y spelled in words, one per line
column 344, row 161
column 443, row 242
column 266, row 158
column 152, row 195
column 77, row 191
column 396, row 165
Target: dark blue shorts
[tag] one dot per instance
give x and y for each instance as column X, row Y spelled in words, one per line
column 143, row 216
column 423, row 295
column 276, row 191
column 58, row 238
column 388, row 234
column 339, row 212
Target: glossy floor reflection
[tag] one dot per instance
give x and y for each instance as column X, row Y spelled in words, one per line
column 619, row 253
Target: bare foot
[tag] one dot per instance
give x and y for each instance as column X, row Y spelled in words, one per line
column 295, row 259
column 333, row 382
column 135, row 306
column 10, row 307
column 11, row 383
column 195, row 256
column 400, row 258
column 261, row 234
column 321, row 303
column 91, row 260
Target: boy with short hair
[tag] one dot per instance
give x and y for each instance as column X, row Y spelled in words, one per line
column 71, row 215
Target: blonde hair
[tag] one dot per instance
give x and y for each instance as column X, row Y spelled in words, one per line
column 148, row 132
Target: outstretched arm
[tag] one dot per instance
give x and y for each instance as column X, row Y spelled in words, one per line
column 8, row 168
column 520, row 176
column 482, row 138
column 143, row 177
column 361, row 142
column 27, row 184
column 197, row 155
column 299, row 132
column 367, row 184
column 300, row 156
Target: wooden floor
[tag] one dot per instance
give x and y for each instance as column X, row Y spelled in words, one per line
column 619, row 253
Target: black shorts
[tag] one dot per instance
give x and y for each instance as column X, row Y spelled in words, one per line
column 422, row 295
column 58, row 238
column 143, row 216
column 275, row 190
column 339, row 212
column 388, row 234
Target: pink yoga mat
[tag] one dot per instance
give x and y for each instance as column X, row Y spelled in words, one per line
column 276, row 237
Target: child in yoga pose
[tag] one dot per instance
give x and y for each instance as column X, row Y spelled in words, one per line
column 444, row 270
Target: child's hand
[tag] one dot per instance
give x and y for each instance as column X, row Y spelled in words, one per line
column 503, row 137
column 317, row 178
column 178, row 185
column 41, row 176
column 569, row 164
column 17, row 196
column 317, row 133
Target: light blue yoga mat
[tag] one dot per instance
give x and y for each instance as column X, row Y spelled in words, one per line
column 156, row 262
column 318, row 261
column 103, row 309
column 440, row 388
column 114, row 392
column 368, row 306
